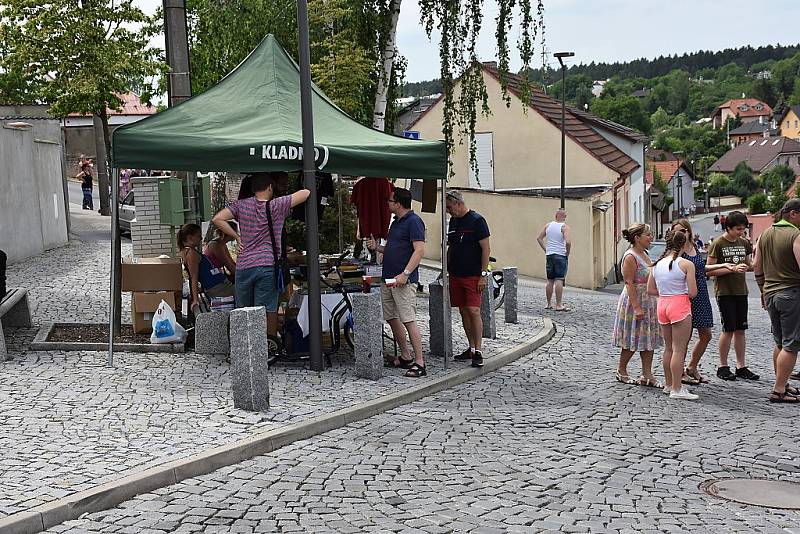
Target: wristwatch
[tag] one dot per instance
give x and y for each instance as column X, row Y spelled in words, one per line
column 484, row 273
column 406, row 273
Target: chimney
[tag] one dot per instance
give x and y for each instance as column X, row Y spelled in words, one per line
column 742, row 95
column 761, row 119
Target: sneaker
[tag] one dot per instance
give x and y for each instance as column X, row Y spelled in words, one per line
column 477, row 359
column 746, row 374
column 683, row 394
column 725, row 373
column 464, row 356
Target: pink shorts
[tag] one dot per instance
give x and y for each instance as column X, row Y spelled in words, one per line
column 673, row 308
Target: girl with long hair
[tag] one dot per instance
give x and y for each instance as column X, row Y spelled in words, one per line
column 673, row 280
column 635, row 323
column 702, row 316
column 202, row 272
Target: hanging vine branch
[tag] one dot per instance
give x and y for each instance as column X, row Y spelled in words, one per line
column 459, row 28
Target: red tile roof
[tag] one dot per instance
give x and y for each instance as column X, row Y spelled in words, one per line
column 668, row 169
column 130, row 106
column 736, row 103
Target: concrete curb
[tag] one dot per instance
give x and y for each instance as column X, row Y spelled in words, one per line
column 112, row 493
column 40, row 343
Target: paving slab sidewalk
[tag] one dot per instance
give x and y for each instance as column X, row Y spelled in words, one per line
column 71, row 423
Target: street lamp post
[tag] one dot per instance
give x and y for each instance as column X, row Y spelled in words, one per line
column 560, row 56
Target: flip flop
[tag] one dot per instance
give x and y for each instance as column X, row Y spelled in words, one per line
column 649, row 382
column 624, row 379
column 561, row 309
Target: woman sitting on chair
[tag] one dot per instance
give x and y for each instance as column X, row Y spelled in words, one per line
column 202, row 272
column 216, row 250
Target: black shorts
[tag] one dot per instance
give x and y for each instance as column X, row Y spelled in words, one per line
column 733, row 310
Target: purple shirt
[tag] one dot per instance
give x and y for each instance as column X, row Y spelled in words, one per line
column 251, row 214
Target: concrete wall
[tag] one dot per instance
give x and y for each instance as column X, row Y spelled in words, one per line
column 149, row 236
column 515, row 221
column 33, row 211
column 526, row 147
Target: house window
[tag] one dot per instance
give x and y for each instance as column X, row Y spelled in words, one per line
column 787, row 124
column 758, row 107
column 744, row 107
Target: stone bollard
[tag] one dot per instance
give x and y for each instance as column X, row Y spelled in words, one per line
column 248, row 340
column 436, row 326
column 487, row 311
column 368, row 333
column 211, row 333
column 510, row 281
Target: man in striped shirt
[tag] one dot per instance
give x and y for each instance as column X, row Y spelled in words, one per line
column 255, row 265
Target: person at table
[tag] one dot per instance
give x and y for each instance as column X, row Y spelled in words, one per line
column 256, row 283
column 404, row 248
column 202, row 272
column 216, row 250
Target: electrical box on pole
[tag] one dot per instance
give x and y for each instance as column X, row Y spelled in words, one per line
column 170, row 201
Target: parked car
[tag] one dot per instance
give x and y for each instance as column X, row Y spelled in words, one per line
column 127, row 213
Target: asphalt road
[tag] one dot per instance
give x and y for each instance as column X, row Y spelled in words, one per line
column 76, row 194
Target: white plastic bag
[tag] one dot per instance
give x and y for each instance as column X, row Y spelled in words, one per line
column 165, row 328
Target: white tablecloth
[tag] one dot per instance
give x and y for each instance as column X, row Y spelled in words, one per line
column 329, row 302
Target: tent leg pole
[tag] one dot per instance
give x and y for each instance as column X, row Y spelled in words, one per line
column 310, row 181
column 447, row 321
column 114, row 310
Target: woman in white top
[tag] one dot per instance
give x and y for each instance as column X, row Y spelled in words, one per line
column 673, row 280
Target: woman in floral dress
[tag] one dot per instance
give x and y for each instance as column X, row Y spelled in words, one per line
column 636, row 327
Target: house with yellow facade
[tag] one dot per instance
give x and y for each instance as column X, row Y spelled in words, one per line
column 517, row 184
column 789, row 123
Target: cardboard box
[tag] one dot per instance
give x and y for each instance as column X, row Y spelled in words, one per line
column 152, row 274
column 144, row 305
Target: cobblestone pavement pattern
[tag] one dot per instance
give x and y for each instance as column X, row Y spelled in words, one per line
column 548, row 443
column 70, row 423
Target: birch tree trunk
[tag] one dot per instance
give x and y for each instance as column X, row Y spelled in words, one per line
column 389, row 51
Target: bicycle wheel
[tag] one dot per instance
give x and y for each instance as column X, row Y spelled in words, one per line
column 500, row 297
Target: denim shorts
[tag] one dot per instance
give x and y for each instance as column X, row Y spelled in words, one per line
column 556, row 267
column 256, row 287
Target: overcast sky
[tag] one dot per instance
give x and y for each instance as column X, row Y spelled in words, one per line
column 614, row 30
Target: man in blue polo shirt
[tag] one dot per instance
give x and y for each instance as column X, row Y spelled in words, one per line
column 405, row 246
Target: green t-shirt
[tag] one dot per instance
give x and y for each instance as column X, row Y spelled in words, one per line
column 735, row 252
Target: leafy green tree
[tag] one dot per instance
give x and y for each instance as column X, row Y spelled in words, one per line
column 777, row 199
column 794, row 98
column 678, row 82
column 758, row 203
column 78, row 57
column 779, row 177
column 660, row 119
column 626, row 110
column 742, row 181
column 763, row 90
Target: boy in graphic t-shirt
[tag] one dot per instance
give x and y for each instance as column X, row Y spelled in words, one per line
column 730, row 287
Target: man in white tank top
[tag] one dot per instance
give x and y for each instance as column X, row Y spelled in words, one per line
column 556, row 249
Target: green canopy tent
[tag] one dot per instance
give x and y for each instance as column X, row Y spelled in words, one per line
column 250, row 121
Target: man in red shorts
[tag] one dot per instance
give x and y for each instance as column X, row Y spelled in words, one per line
column 467, row 261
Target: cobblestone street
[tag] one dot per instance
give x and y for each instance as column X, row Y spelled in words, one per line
column 71, row 423
column 548, row 443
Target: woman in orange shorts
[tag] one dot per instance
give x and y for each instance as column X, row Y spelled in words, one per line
column 672, row 279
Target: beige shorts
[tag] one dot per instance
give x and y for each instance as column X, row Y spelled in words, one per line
column 399, row 302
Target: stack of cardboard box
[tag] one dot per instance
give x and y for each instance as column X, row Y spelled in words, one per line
column 151, row 280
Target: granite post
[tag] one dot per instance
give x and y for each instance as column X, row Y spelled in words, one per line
column 248, row 341
column 487, row 311
column 3, row 352
column 368, row 330
column 510, row 281
column 211, row 333
column 436, row 326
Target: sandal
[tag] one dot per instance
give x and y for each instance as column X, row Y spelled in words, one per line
column 561, row 309
column 649, row 382
column 783, row 397
column 694, row 373
column 403, row 364
column 624, row 379
column 791, row 390
column 690, row 380
column 416, row 371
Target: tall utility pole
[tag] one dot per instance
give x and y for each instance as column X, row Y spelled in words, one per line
column 310, row 182
column 560, row 56
column 179, row 86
